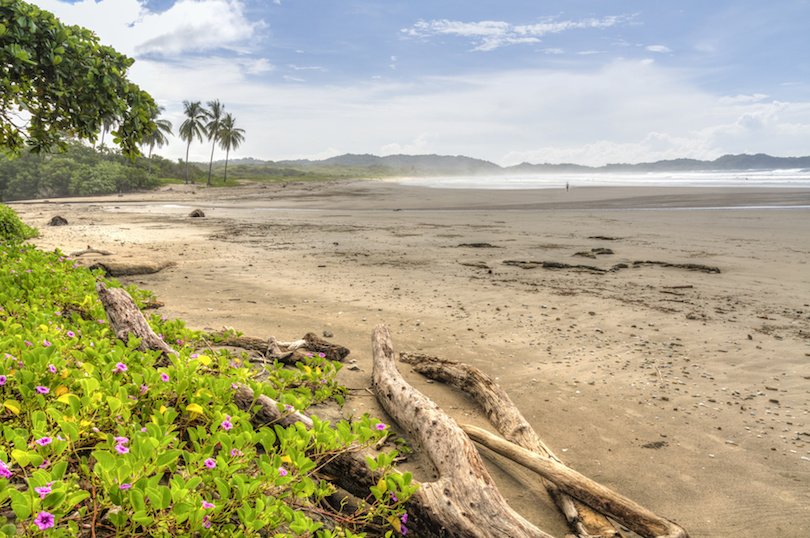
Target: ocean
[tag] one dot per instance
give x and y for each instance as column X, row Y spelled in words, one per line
column 746, row 178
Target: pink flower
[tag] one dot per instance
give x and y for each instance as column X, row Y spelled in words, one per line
column 45, row 464
column 207, row 505
column 43, row 441
column 121, row 440
column 43, row 390
column 43, row 491
column 2, row 380
column 44, row 520
column 282, row 471
column 52, row 368
column 210, row 463
column 45, row 343
column 380, row 426
column 71, row 334
column 5, row 472
column 125, row 486
column 120, row 367
column 226, row 424
column 121, row 449
column 144, row 388
column 235, row 452
column 206, row 521
column 164, row 377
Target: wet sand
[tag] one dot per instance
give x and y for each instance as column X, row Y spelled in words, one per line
column 686, row 390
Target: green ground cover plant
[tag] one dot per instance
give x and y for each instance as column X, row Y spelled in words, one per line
column 95, row 439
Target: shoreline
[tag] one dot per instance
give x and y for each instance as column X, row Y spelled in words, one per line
column 638, row 378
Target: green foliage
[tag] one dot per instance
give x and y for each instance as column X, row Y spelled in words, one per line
column 80, row 171
column 58, row 81
column 12, row 229
column 92, row 433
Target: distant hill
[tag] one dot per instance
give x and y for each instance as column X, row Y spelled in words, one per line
column 741, row 162
column 367, row 165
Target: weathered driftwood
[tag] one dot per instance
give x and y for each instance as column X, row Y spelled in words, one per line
column 288, row 352
column 510, row 422
column 126, row 320
column 625, row 511
column 464, row 497
column 118, row 268
column 91, row 250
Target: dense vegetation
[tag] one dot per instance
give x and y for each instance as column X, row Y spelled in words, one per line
column 58, row 81
column 81, row 171
column 95, row 435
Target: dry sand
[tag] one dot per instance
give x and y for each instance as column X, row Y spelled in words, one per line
column 686, row 391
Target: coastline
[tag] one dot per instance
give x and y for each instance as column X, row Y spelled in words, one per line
column 684, row 390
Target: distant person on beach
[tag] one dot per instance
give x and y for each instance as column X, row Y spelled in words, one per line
column 567, row 186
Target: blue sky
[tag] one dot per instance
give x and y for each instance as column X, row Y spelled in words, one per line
column 582, row 81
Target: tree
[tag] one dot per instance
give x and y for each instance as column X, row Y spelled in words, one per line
column 215, row 110
column 230, row 137
column 158, row 137
column 59, row 82
column 193, row 126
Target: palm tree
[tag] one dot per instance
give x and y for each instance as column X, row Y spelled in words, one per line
column 214, row 115
column 158, row 136
column 108, row 123
column 230, row 137
column 193, row 126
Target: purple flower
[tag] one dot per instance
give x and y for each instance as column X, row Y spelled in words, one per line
column 394, row 497
column 43, row 491
column 45, row 343
column 44, row 520
column 71, row 334
column 143, row 430
column 206, row 521
column 121, row 440
column 2, row 380
column 121, row 449
column 42, row 390
column 282, row 471
column 52, row 368
column 164, row 377
column 5, row 472
column 207, row 505
column 227, row 424
column 101, row 321
column 380, row 426
column 45, row 464
column 125, row 486
column 210, row 463
column 144, row 388
column 43, row 441
column 120, row 367
column 404, row 518
column 28, row 343
column 322, row 355
column 235, row 452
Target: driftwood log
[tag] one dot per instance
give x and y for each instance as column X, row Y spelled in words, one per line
column 116, row 268
column 285, row 351
column 91, row 250
column 513, row 426
column 126, row 320
column 464, row 497
column 627, row 512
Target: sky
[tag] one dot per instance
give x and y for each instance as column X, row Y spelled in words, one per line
column 510, row 81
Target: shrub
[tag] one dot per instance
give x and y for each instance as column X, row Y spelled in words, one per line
column 12, row 229
column 97, row 434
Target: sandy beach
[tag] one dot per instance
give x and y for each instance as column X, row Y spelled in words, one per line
column 598, row 310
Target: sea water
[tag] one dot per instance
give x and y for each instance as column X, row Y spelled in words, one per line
column 745, row 178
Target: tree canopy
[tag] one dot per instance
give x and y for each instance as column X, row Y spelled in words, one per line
column 58, row 82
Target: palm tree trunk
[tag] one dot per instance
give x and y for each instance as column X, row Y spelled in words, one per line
column 187, row 147
column 227, row 151
column 211, row 162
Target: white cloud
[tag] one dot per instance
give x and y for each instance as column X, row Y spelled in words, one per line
column 187, row 26
column 660, row 49
column 490, row 35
